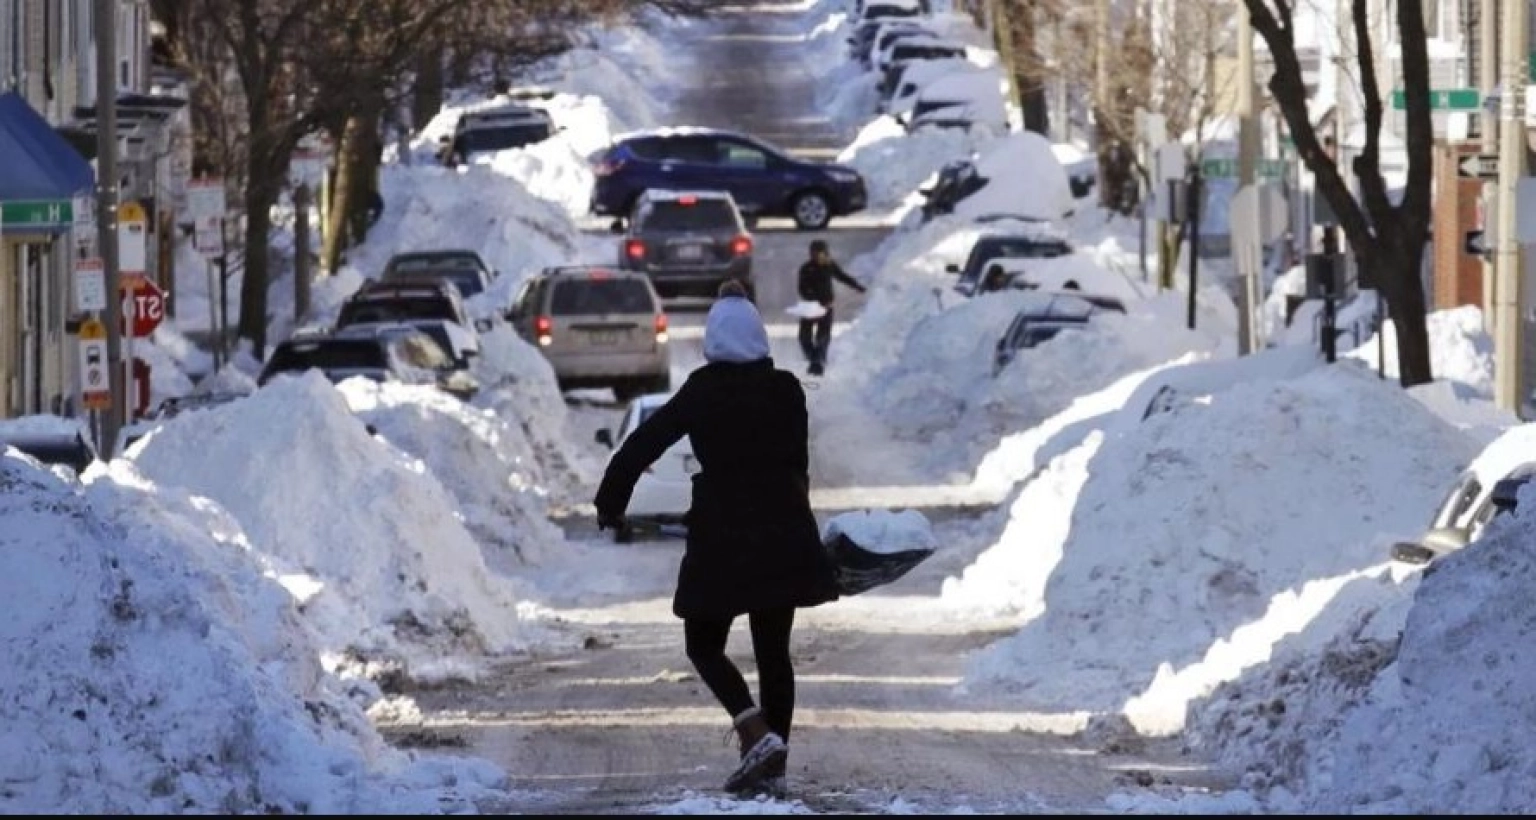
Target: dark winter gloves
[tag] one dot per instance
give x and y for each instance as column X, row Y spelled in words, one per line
column 609, row 521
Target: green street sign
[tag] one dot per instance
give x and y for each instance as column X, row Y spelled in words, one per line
column 1443, row 99
column 1226, row 168
column 36, row 215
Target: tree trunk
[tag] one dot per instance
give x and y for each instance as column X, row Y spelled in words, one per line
column 365, row 176
column 260, row 196
column 343, row 188
column 1405, row 301
column 427, row 92
column 1036, row 106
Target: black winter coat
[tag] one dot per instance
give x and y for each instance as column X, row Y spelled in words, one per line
column 814, row 283
column 753, row 542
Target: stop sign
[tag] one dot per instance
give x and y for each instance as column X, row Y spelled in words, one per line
column 143, row 306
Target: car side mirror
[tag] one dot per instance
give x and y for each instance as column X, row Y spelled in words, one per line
column 484, row 325
column 604, row 436
column 616, row 227
column 951, row 268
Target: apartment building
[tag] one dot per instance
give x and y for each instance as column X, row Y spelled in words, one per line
column 47, row 151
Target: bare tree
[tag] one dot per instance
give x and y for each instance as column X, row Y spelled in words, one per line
column 1387, row 239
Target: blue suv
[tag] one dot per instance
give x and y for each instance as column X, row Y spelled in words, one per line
column 762, row 179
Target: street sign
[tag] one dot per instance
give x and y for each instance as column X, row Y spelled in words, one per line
column 1444, row 99
column 208, row 236
column 132, row 239
column 1478, row 166
column 143, row 305
column 95, row 388
column 90, row 286
column 1226, row 168
column 139, row 388
column 205, row 199
column 21, row 216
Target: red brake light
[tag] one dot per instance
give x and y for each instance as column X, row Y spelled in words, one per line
column 741, row 245
column 661, row 323
column 688, row 200
column 634, row 249
column 543, row 326
column 599, row 274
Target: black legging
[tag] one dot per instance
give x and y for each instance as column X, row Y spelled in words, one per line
column 705, row 641
column 816, row 337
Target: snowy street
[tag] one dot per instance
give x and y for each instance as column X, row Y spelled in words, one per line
column 1147, row 574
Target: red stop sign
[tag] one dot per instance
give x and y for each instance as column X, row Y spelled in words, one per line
column 143, row 306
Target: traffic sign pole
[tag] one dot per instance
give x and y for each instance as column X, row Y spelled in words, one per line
column 105, row 19
column 1508, row 290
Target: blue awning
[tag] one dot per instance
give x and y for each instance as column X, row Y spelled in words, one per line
column 36, row 164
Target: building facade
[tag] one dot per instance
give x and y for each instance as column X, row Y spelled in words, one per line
column 47, row 102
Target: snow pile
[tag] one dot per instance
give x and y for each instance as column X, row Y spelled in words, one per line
column 1425, row 707
column 1025, row 178
column 485, row 462
column 363, row 536
column 518, row 383
column 1164, row 576
column 883, row 531
column 152, row 668
column 1460, row 351
column 895, row 163
column 475, row 208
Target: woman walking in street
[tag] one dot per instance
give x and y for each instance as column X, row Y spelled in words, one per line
column 753, row 546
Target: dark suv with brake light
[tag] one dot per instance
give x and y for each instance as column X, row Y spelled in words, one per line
column 764, row 180
column 687, row 242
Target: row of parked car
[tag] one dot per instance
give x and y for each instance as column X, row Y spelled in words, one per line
column 925, row 78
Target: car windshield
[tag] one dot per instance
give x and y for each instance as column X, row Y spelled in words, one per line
column 1012, row 248
column 394, row 310
column 70, row 452
column 502, row 137
column 700, row 215
column 329, row 354
column 584, row 297
column 1458, row 501
column 467, row 280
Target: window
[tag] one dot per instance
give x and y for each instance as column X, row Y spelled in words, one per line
column 420, row 350
column 702, row 215
column 585, row 297
column 501, row 137
column 1458, row 501
column 702, row 150
column 333, row 354
column 740, row 155
column 395, row 310
column 523, row 304
column 648, row 147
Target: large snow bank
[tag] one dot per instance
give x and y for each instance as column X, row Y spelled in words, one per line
column 1460, row 351
column 364, row 536
column 486, row 462
column 151, row 668
column 1195, row 540
column 1427, row 711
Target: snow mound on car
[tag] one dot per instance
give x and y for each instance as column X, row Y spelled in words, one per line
column 366, row 538
column 154, row 667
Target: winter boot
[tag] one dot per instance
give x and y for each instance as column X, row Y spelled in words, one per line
column 815, row 369
column 775, row 782
column 761, row 750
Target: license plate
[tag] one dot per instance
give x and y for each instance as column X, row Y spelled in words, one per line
column 605, row 337
column 690, row 252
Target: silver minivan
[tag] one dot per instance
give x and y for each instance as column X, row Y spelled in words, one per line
column 598, row 327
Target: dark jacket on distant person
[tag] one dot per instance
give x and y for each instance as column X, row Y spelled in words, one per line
column 753, row 542
column 815, row 281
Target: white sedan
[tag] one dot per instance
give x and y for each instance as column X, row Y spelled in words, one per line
column 665, row 489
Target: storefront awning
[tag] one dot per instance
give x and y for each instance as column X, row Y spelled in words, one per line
column 40, row 172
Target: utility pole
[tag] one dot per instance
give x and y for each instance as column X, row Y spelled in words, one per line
column 1507, row 289
column 105, row 12
column 1247, row 176
column 1487, row 129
